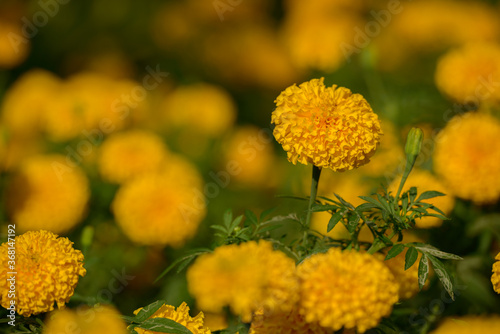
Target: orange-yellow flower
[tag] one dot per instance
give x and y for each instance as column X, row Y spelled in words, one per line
column 495, row 278
column 327, row 126
column 469, row 324
column 47, row 272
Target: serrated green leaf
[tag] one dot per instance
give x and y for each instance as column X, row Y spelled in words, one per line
column 428, row 249
column 227, row 219
column 251, row 217
column 437, row 216
column 336, row 217
column 394, row 251
column 423, row 271
column 148, row 310
column 410, row 257
column 244, row 233
column 352, row 223
column 164, row 325
column 384, row 203
column 443, row 275
column 429, row 194
column 365, row 206
column 372, row 201
column 266, row 213
column 344, row 202
column 324, row 207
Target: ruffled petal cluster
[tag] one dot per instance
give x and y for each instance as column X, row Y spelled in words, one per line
column 180, row 315
column 495, row 278
column 85, row 320
column 326, row 126
column 48, row 268
column 346, row 289
column 245, row 277
column 467, row 155
column 47, row 193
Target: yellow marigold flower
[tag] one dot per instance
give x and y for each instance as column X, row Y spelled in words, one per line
column 495, row 278
column 406, row 279
column 162, row 208
column 45, row 193
column 248, row 157
column 244, row 277
column 469, row 324
column 284, row 323
column 85, row 320
column 126, row 155
column 346, row 289
column 179, row 315
column 14, row 46
column 202, row 107
column 466, row 74
column 424, row 181
column 327, row 126
column 25, row 102
column 469, row 146
column 47, row 272
column 216, row 321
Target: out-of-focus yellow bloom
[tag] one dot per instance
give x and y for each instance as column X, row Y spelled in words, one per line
column 269, row 67
column 25, row 102
column 420, row 27
column 252, row 275
column 216, row 321
column 284, row 323
column 469, row 324
column 389, row 154
column 162, row 208
column 47, row 194
column 14, row 47
column 424, row 181
column 316, row 32
column 327, row 126
column 495, row 278
column 467, row 74
column 406, row 279
column 95, row 320
column 47, row 269
column 346, row 289
column 180, row 315
column 200, row 108
column 126, row 155
column 248, row 157
column 466, row 157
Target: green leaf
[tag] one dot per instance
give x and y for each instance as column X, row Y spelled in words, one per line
column 266, row 213
column 236, row 222
column 352, row 223
column 227, row 219
column 429, row 194
column 185, row 263
column 194, row 253
column 251, row 217
column 164, row 325
column 365, row 206
column 394, row 251
column 344, row 202
column 423, row 271
column 269, row 228
column 428, row 249
column 443, row 275
column 405, row 202
column 220, row 228
column 372, row 201
column 148, row 310
column 326, row 207
column 410, row 257
column 384, row 203
column 333, row 221
column 437, row 216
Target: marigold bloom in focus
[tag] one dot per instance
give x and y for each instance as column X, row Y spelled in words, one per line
column 346, row 289
column 47, row 272
column 96, row 320
column 466, row 74
column 424, row 181
column 180, row 315
column 284, row 323
column 161, row 208
column 245, row 277
column 469, row 324
column 126, row 155
column 46, row 194
column 495, row 278
column 467, row 155
column 327, row 126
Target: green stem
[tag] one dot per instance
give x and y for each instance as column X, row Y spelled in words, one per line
column 485, row 242
column 316, row 172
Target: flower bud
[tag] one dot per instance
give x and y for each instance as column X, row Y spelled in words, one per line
column 413, row 145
